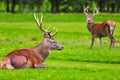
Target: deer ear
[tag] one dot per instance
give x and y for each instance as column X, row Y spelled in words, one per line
column 45, row 35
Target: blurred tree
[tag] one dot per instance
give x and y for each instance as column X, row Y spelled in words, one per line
column 117, row 5
column 74, row 5
column 1, row 1
column 113, row 3
column 30, row 5
column 13, row 6
column 25, row 5
column 37, row 4
column 55, row 4
column 13, row 3
column 101, row 4
column 61, row 5
column 7, row 6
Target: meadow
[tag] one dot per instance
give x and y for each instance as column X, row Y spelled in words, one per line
column 75, row 62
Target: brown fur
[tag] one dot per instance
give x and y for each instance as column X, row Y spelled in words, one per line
column 101, row 30
column 23, row 58
column 33, row 57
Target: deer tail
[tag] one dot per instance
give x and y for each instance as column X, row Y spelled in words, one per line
column 111, row 25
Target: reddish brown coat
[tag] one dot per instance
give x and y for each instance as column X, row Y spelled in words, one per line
column 100, row 30
column 32, row 57
column 23, row 58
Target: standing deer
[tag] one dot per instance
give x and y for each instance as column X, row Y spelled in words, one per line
column 32, row 57
column 100, row 30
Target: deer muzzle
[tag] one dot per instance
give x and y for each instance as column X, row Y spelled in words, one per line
column 60, row 47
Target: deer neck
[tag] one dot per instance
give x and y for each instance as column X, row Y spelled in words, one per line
column 89, row 25
column 41, row 50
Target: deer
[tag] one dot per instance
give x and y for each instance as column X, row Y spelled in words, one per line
column 103, row 29
column 35, row 56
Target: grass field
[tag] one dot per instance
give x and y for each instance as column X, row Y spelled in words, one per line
column 75, row 62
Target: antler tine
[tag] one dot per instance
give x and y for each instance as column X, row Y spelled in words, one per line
column 96, row 11
column 39, row 24
column 36, row 19
column 47, row 32
column 41, row 17
column 86, row 10
column 48, row 28
column 55, row 32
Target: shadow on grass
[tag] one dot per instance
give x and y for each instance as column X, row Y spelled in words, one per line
column 92, row 61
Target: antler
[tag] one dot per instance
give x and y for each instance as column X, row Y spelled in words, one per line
column 54, row 32
column 94, row 13
column 39, row 24
column 47, row 32
column 86, row 10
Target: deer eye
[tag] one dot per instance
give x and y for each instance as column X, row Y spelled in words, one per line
column 53, row 42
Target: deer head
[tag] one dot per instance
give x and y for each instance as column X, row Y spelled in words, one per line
column 48, row 35
column 90, row 17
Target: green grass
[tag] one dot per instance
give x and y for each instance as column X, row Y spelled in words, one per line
column 5, row 17
column 75, row 62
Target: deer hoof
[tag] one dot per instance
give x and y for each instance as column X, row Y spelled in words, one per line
column 40, row 66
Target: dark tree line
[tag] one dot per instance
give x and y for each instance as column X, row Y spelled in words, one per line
column 12, row 7
column 56, row 6
column 108, row 5
column 23, row 4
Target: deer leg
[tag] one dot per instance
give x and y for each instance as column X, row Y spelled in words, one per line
column 39, row 66
column 100, row 38
column 112, row 40
column 93, row 37
column 19, row 62
column 6, row 63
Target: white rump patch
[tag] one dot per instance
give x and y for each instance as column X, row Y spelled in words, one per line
column 111, row 29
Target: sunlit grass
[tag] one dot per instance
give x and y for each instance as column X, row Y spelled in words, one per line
column 75, row 62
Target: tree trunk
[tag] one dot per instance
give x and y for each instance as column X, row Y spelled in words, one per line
column 108, row 8
column 13, row 6
column 39, row 4
column 52, row 5
column 113, row 7
column 100, row 6
column 118, row 9
column 57, row 6
column 7, row 6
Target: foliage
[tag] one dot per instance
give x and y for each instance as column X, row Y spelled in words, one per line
column 75, row 62
column 56, row 6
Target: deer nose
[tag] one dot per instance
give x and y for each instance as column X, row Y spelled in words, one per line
column 60, row 48
column 89, row 21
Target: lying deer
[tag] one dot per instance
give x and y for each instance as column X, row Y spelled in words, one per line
column 32, row 57
column 100, row 30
